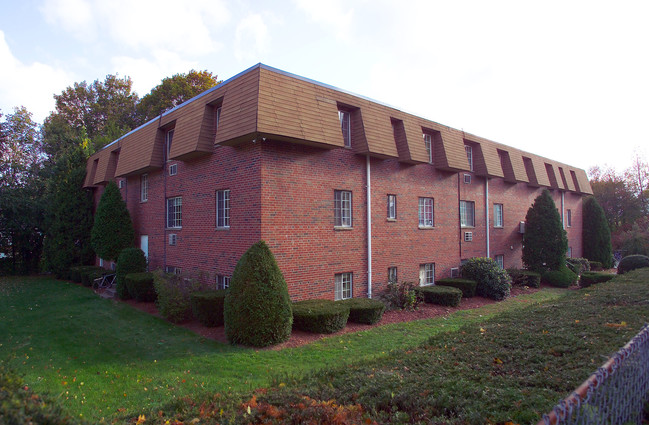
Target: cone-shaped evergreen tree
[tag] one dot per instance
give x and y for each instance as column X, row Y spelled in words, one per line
column 544, row 242
column 596, row 234
column 257, row 310
column 113, row 230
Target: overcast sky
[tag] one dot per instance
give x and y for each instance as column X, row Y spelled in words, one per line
column 563, row 79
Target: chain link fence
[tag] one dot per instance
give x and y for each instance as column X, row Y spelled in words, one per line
column 614, row 395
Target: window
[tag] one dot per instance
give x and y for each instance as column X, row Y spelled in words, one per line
column 569, row 218
column 173, row 169
column 144, row 187
column 468, row 236
column 469, row 155
column 428, row 142
column 427, row 274
column 498, row 215
column 173, row 270
column 342, row 208
column 343, row 286
column 217, row 119
column 500, row 260
column 569, row 252
column 467, row 214
column 222, row 282
column 223, row 208
column 392, row 275
column 174, row 212
column 426, row 212
column 169, row 136
column 122, row 184
column 173, row 238
column 346, row 127
column 392, row 207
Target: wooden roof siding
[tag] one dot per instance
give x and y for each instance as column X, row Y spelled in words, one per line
column 582, row 181
column 565, row 177
column 141, row 151
column 486, row 161
column 378, row 131
column 106, row 164
column 239, row 107
column 416, row 149
column 518, row 166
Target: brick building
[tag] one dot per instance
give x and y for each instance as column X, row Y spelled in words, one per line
column 344, row 190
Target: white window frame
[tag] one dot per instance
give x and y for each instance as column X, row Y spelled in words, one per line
column 392, row 274
column 169, row 136
column 426, row 212
column 173, row 169
column 428, row 143
column 343, row 286
column 223, row 209
column 217, row 119
column 500, row 260
column 342, row 208
column 427, row 274
column 569, row 252
column 173, row 270
column 144, row 187
column 392, row 207
column 499, row 219
column 469, row 155
column 467, row 214
column 568, row 218
column 346, row 127
column 222, row 282
column 175, row 222
column 122, row 184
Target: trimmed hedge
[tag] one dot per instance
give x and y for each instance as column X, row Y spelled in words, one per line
column 130, row 260
column 590, row 278
column 88, row 275
column 632, row 262
column 140, row 286
column 561, row 278
column 441, row 295
column 75, row 272
column 207, row 306
column 364, row 310
column 173, row 295
column 493, row 282
column 467, row 286
column 596, row 266
column 525, row 277
column 578, row 265
column 320, row 316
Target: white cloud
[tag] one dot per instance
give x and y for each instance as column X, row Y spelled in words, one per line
column 252, row 39
column 74, row 16
column 331, row 14
column 29, row 85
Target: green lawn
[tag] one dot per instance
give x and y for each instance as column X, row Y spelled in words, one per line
column 104, row 359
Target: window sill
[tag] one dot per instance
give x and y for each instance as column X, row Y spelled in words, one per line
column 426, row 227
column 144, row 202
column 223, row 228
column 467, row 227
column 173, row 228
column 391, row 220
column 427, row 284
column 498, row 227
column 343, row 228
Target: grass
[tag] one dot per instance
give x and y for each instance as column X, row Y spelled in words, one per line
column 103, row 359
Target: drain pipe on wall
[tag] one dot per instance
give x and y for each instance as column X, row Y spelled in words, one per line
column 563, row 220
column 486, row 211
column 369, row 227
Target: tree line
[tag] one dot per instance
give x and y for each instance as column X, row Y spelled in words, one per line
column 45, row 214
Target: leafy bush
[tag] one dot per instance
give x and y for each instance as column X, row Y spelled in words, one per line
column 562, row 278
column 493, row 282
column 401, row 296
column 632, row 262
column 596, row 234
column 207, row 306
column 112, row 230
column 525, row 278
column 364, row 310
column 90, row 273
column 75, row 272
column 140, row 286
column 320, row 316
column 544, row 242
column 596, row 266
column 257, row 308
column 590, row 278
column 441, row 295
column 131, row 260
column 578, row 265
column 173, row 293
column 467, row 286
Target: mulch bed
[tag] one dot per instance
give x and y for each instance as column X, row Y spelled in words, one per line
column 298, row 338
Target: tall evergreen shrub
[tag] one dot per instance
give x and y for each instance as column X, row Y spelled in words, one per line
column 130, row 260
column 113, row 230
column 257, row 308
column 544, row 242
column 596, row 235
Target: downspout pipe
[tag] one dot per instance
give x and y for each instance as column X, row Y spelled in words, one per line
column 369, row 227
column 563, row 216
column 486, row 212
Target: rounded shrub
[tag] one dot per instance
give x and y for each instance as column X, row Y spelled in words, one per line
column 525, row 278
column 173, row 295
column 257, row 309
column 596, row 266
column 207, row 306
column 320, row 316
column 562, row 278
column 441, row 295
column 578, row 265
column 364, row 310
column 77, row 271
column 591, row 278
column 632, row 262
column 90, row 273
column 493, row 282
column 130, row 260
column 140, row 286
column 467, row 286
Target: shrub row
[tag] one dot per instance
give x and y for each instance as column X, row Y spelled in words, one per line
column 467, row 286
column 320, row 316
column 493, row 282
column 578, row 265
column 174, row 293
column 632, row 262
column 562, row 278
column 590, row 278
column 77, row 272
column 140, row 286
column 441, row 295
column 364, row 310
column 401, row 296
column 596, row 266
column 130, row 260
column 525, row 277
column 207, row 306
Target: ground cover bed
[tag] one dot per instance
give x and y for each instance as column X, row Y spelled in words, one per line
column 503, row 361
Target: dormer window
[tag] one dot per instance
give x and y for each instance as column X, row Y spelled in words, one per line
column 428, row 142
column 217, row 119
column 346, row 127
column 469, row 155
column 169, row 135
